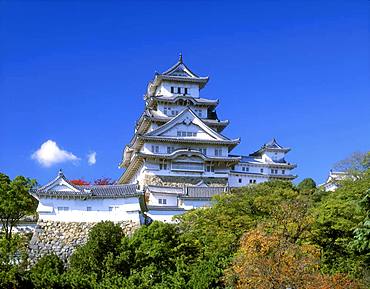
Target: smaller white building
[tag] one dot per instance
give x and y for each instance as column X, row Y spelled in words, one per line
column 268, row 163
column 164, row 203
column 333, row 181
column 60, row 200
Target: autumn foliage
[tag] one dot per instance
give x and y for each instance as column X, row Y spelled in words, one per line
column 97, row 182
column 79, row 182
column 267, row 261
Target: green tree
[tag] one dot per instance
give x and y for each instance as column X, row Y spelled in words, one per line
column 217, row 230
column 307, row 186
column 336, row 218
column 355, row 164
column 15, row 202
column 103, row 239
column 157, row 257
column 46, row 273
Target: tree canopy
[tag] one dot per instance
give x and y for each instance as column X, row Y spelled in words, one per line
column 271, row 235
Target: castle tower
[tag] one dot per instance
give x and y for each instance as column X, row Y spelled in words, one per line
column 177, row 140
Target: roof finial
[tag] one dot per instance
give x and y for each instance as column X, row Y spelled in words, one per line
column 60, row 173
column 180, row 57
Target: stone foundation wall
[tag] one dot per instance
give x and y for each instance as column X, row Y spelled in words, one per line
column 175, row 181
column 62, row 238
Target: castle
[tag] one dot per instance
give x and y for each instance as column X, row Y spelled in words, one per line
column 176, row 161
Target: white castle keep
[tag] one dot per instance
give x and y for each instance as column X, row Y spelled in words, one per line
column 177, row 160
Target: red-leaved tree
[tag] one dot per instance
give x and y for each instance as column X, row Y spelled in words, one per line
column 79, row 182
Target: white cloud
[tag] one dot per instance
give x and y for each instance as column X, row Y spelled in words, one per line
column 91, row 158
column 50, row 154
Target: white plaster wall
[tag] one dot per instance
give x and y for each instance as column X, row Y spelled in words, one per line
column 331, row 187
column 165, row 88
column 124, row 209
column 234, row 179
column 272, row 156
column 154, row 199
column 194, row 204
column 201, row 134
column 164, row 216
column 257, row 169
column 138, row 177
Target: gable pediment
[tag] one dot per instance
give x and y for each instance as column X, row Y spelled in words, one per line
column 186, row 125
column 181, row 71
column 60, row 183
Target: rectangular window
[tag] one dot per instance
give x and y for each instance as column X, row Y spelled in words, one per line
column 88, row 209
column 240, row 180
column 162, row 201
column 218, row 152
column 163, row 166
column 167, row 110
column 155, row 149
column 186, row 90
column 179, row 166
column 179, row 90
column 203, row 151
column 261, row 170
column 172, row 89
column 243, row 169
column 272, row 171
column 170, row 150
column 283, row 172
column 63, row 208
column 247, row 169
column 198, row 112
column 250, row 181
column 186, row 133
column 254, row 181
column 112, row 208
column 210, row 168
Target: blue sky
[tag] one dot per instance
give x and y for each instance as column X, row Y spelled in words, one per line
column 74, row 72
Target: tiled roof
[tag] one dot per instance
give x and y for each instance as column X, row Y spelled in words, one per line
column 104, row 191
column 188, row 191
column 257, row 160
column 202, row 192
column 273, row 144
column 195, row 99
column 165, row 190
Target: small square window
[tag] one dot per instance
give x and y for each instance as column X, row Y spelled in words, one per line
column 172, row 89
column 283, row 172
column 179, row 90
column 261, row 170
column 186, row 90
column 240, row 180
column 162, row 201
column 88, row 209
